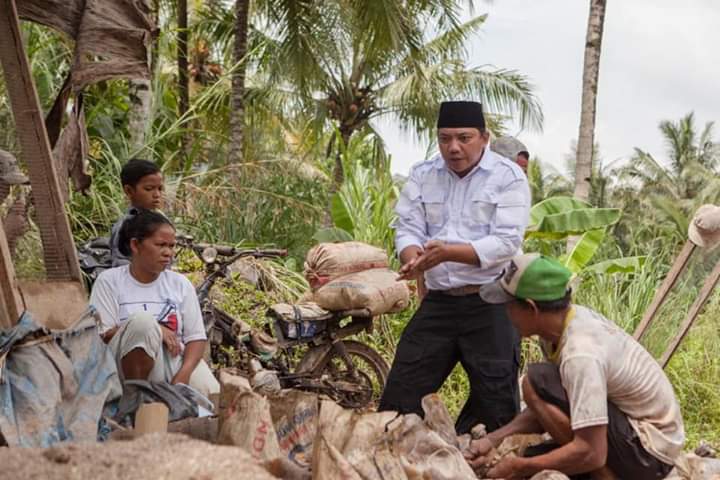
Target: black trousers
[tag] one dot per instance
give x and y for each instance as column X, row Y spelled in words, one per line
column 446, row 330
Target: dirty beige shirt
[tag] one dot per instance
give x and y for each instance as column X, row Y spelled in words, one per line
column 598, row 363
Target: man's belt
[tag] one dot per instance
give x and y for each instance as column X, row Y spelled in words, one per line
column 463, row 291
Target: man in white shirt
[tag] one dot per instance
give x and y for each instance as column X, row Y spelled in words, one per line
column 603, row 398
column 460, row 217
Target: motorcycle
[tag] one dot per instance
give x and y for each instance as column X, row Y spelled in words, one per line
column 313, row 355
column 95, row 258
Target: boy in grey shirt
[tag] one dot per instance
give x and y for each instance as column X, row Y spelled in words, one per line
column 143, row 185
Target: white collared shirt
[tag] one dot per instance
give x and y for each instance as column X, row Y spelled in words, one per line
column 489, row 208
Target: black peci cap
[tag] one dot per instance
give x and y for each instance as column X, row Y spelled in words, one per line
column 461, row 115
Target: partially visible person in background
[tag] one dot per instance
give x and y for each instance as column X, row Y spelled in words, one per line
column 512, row 149
column 143, row 185
column 523, row 159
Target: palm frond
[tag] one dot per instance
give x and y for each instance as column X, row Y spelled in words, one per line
column 450, row 44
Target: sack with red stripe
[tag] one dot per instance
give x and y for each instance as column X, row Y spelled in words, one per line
column 328, row 261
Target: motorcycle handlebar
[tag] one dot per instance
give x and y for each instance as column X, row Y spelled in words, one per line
column 230, row 251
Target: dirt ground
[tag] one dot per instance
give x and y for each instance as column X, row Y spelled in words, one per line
column 151, row 457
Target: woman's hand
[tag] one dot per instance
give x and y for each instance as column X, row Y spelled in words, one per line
column 182, row 376
column 170, row 341
column 109, row 334
column 191, row 357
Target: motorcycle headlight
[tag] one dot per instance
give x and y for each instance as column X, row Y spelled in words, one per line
column 209, row 255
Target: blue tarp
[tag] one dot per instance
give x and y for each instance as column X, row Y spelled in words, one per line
column 54, row 383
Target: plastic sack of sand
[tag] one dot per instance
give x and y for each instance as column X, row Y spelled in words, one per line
column 245, row 419
column 693, row 467
column 385, row 446
column 378, row 291
column 294, row 415
column 328, row 261
column 339, row 432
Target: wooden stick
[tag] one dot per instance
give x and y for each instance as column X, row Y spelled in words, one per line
column 60, row 257
column 694, row 312
column 681, row 262
column 11, row 305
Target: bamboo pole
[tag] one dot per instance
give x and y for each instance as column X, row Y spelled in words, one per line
column 692, row 315
column 671, row 279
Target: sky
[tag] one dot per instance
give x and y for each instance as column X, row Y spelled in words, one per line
column 659, row 61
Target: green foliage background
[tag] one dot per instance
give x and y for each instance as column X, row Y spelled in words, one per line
column 283, row 194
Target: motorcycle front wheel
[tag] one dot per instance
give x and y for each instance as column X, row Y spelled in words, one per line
column 366, row 374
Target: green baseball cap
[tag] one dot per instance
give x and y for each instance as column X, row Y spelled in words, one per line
column 529, row 276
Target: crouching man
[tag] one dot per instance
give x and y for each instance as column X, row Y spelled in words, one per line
column 604, row 400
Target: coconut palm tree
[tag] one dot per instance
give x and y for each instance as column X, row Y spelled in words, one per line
column 692, row 161
column 237, row 113
column 546, row 182
column 688, row 178
column 591, row 70
column 374, row 60
column 340, row 65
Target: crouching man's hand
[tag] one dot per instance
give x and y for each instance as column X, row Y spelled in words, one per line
column 508, row 468
column 476, row 454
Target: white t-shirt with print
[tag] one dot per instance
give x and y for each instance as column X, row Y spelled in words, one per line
column 171, row 299
column 600, row 362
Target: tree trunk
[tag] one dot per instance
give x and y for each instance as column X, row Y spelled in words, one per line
column 338, row 173
column 140, row 93
column 182, row 60
column 339, row 170
column 237, row 114
column 591, row 70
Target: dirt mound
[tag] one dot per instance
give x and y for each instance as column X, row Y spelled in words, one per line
column 150, row 457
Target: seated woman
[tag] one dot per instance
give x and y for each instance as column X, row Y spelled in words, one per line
column 151, row 316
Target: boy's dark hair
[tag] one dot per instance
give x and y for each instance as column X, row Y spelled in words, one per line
column 140, row 227
column 551, row 305
column 135, row 169
column 525, row 154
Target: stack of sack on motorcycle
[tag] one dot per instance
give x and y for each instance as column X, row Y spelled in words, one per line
column 343, row 277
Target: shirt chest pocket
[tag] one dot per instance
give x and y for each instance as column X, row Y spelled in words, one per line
column 482, row 207
column 434, row 205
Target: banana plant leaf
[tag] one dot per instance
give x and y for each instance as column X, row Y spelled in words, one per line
column 573, row 222
column 554, row 205
column 339, row 213
column 617, row 265
column 584, row 250
column 331, row 235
